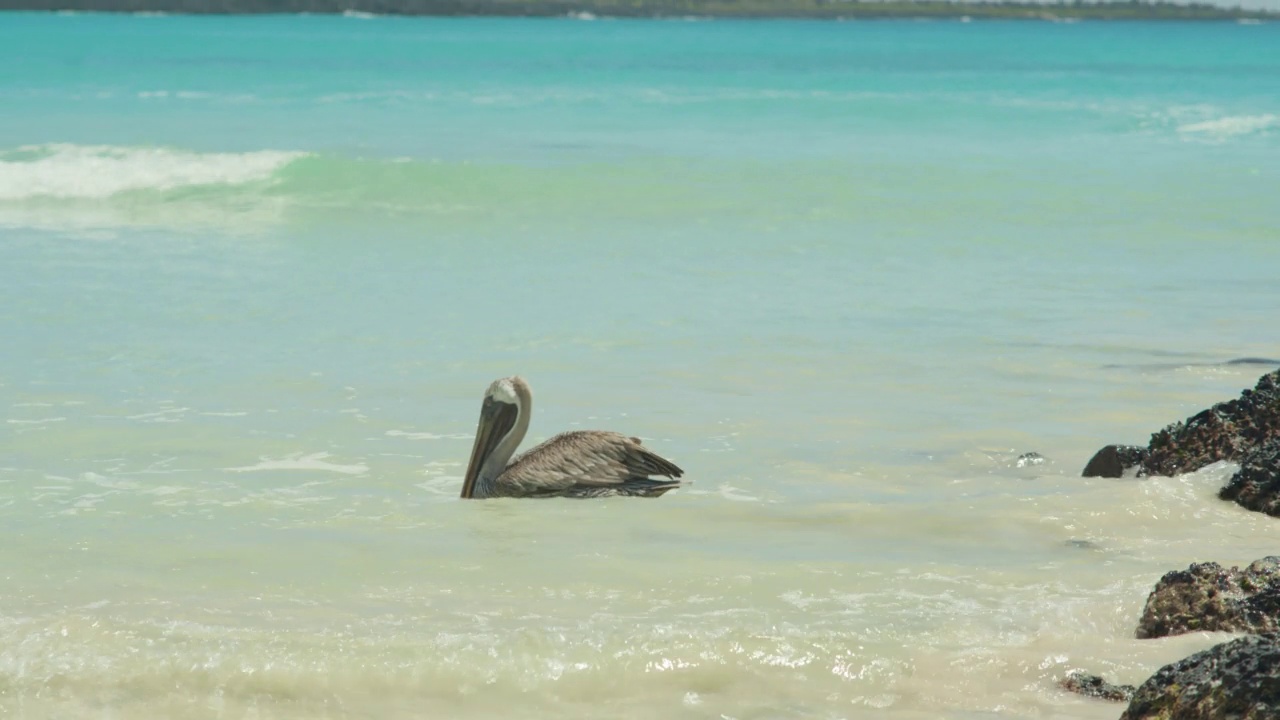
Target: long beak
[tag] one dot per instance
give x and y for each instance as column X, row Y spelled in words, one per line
column 496, row 420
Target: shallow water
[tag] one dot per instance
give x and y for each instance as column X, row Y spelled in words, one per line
column 256, row 273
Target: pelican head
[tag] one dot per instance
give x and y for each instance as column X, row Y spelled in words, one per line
column 504, row 419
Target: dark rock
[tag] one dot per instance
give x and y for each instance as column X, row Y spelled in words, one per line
column 1253, row 361
column 1112, row 460
column 1095, row 687
column 1257, row 484
column 1238, row 679
column 1207, row 598
column 1226, row 431
column 1031, row 458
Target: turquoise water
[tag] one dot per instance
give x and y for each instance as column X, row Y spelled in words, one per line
column 255, row 274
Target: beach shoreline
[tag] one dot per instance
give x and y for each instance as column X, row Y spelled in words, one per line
column 880, row 288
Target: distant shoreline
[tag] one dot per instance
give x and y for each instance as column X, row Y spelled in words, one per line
column 798, row 9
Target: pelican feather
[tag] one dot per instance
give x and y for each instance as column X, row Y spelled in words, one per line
column 581, row 463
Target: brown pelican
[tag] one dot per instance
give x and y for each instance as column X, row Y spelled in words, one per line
column 584, row 463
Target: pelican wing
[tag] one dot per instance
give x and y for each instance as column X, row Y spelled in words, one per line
column 588, row 462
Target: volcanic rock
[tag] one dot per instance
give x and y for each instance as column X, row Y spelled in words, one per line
column 1207, row 598
column 1238, row 679
column 1226, row 431
column 1112, row 460
column 1257, row 484
column 1095, row 687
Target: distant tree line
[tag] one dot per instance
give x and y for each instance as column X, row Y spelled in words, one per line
column 829, row 9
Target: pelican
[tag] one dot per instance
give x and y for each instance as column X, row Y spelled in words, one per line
column 583, row 463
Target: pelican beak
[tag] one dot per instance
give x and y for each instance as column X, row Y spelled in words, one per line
column 496, row 420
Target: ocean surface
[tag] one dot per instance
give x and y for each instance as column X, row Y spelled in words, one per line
column 256, row 274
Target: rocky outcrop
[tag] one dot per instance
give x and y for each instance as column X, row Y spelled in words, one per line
column 1113, row 460
column 1238, row 679
column 1257, row 484
column 1205, row 597
column 1095, row 687
column 1226, row 431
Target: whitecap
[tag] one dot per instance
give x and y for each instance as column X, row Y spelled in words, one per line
column 298, row 461
column 70, row 171
column 441, row 485
column 160, row 416
column 727, row 491
column 426, row 435
column 1231, row 126
column 109, row 483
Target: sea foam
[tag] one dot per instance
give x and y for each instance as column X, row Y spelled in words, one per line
column 101, row 171
column 299, row 461
column 1231, row 126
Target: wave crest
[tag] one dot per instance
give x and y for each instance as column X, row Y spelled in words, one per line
column 91, row 172
column 1231, row 126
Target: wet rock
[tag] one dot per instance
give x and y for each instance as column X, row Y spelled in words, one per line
column 1226, row 431
column 1257, row 484
column 1238, row 679
column 1095, row 687
column 1113, row 460
column 1031, row 458
column 1207, row 598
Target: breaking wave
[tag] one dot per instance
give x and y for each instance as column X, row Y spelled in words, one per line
column 1230, row 126
column 85, row 188
column 66, row 187
column 102, row 171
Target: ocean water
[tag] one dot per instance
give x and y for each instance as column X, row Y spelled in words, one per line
column 256, row 273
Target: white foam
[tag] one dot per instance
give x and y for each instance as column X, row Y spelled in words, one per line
column 427, row 435
column 160, row 416
column 1231, row 126
column 358, row 15
column 101, row 220
column 298, row 461
column 100, row 171
column 109, row 483
column 724, row 490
